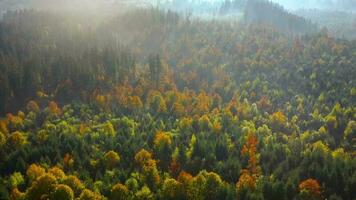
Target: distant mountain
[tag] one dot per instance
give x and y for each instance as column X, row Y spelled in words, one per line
column 268, row 13
column 340, row 5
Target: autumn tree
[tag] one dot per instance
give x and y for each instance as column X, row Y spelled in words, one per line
column 172, row 189
column 162, row 145
column 249, row 176
column 42, row 187
column 74, row 183
column 119, row 192
column 111, row 159
column 34, row 171
column 310, row 189
column 62, row 192
column 148, row 166
column 90, row 195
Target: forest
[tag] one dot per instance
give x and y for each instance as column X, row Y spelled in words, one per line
column 156, row 104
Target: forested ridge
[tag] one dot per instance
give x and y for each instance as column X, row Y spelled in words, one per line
column 153, row 104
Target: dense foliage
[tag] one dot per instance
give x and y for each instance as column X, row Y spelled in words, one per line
column 155, row 105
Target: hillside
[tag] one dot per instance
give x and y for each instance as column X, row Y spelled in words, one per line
column 153, row 104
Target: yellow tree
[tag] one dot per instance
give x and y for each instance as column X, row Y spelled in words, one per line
column 172, row 189
column 119, row 192
column 57, row 172
column 62, row 192
column 42, row 187
column 111, row 159
column 34, row 171
column 163, row 148
column 74, row 183
column 18, row 139
column 90, row 195
column 148, row 167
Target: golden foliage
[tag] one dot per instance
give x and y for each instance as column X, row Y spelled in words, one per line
column 54, row 108
column 90, row 195
column 119, row 192
column 143, row 157
column 57, row 172
column 134, row 102
column 279, row 117
column 62, row 192
column 172, row 189
column 109, row 129
column 162, row 138
column 3, row 126
column 178, row 109
column 216, row 127
column 186, row 123
column 42, row 187
column 17, row 139
column 34, row 171
column 111, row 159
column 74, row 183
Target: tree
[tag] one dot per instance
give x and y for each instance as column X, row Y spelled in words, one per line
column 42, row 187
column 32, row 106
column 278, row 120
column 74, row 183
column 250, row 175
column 57, row 172
column 18, row 139
column 119, row 192
column 134, row 103
column 68, row 160
column 111, row 159
column 54, row 109
column 172, row 189
column 144, row 194
column 310, row 189
column 16, row 194
column 89, row 195
column 162, row 145
column 62, row 192
column 157, row 103
column 34, row 171
column 349, row 134
column 143, row 158
column 148, row 167
column 206, row 185
column 16, row 179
